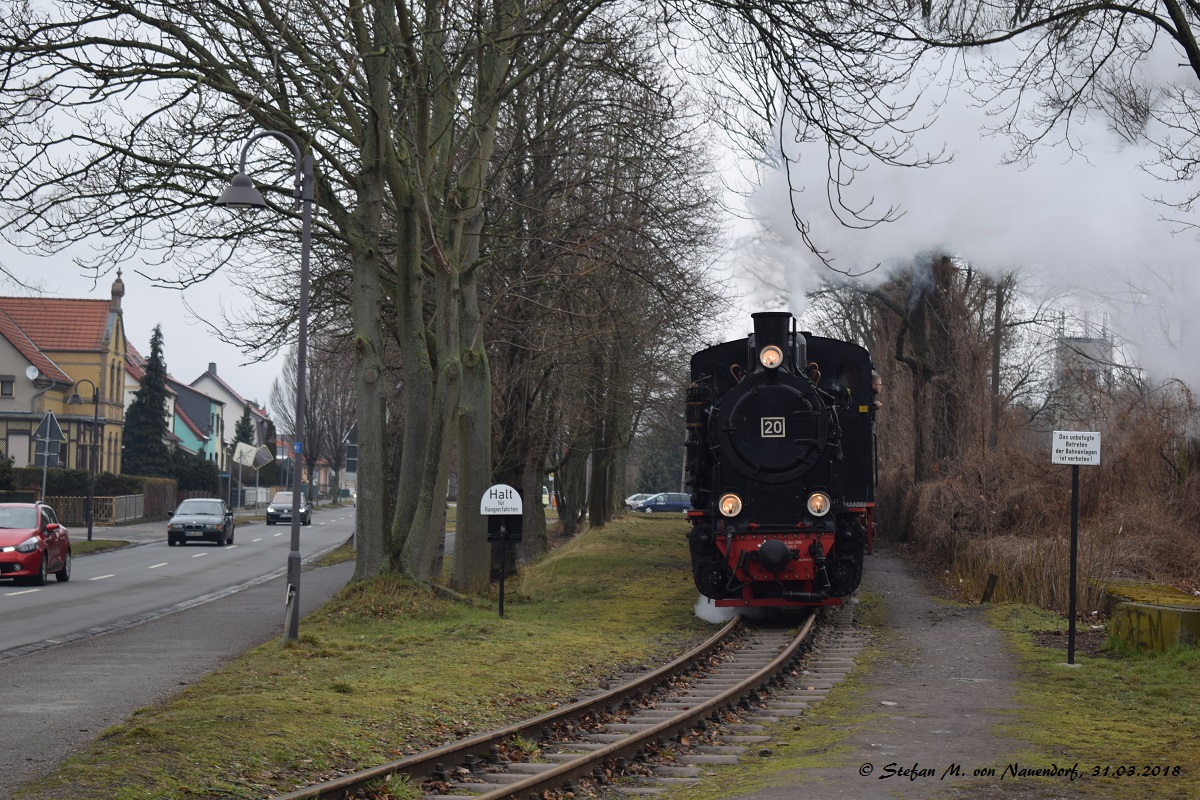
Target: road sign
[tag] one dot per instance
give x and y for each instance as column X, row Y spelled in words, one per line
column 500, row 500
column 1075, row 447
column 49, row 430
column 47, row 439
column 263, row 456
column 501, row 504
column 244, row 454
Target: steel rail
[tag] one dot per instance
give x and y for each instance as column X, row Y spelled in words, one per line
column 423, row 764
column 685, row 720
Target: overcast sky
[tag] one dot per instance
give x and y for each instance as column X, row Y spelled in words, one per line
column 1082, row 224
column 187, row 345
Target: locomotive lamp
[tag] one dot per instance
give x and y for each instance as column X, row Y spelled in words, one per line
column 770, row 356
column 730, row 505
column 818, row 504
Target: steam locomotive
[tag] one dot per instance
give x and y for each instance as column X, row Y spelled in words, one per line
column 781, row 462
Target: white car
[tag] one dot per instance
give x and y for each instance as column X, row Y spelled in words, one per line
column 635, row 500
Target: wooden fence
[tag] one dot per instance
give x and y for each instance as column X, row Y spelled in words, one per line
column 109, row 510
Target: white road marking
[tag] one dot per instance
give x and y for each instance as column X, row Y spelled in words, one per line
column 256, row 540
column 23, row 591
column 199, row 555
column 231, row 547
column 279, row 534
column 156, row 566
column 101, row 577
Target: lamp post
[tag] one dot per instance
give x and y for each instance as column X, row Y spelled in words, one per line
column 242, row 194
column 76, row 400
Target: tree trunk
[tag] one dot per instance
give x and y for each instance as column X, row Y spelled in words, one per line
column 997, row 343
column 472, row 561
column 418, row 390
column 370, row 510
column 366, row 290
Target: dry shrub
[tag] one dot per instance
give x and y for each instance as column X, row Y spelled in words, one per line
column 1007, row 513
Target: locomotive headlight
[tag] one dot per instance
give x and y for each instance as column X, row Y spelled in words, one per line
column 730, row 505
column 818, row 504
column 770, row 356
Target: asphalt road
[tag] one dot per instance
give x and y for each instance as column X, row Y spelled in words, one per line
column 57, row 697
column 136, row 583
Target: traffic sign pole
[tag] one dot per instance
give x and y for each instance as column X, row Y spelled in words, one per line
column 1074, row 561
column 1074, row 448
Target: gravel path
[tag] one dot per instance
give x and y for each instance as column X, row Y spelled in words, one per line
column 942, row 683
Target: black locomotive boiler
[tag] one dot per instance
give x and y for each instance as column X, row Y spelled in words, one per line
column 781, row 459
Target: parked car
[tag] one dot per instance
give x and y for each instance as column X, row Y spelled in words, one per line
column 667, row 501
column 201, row 519
column 635, row 500
column 33, row 543
column 280, row 509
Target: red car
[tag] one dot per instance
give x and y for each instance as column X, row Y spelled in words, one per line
column 33, row 543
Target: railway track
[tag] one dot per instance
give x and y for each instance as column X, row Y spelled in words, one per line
column 619, row 731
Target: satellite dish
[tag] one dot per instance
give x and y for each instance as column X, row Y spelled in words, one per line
column 31, row 372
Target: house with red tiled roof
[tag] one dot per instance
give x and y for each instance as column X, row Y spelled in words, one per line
column 55, row 349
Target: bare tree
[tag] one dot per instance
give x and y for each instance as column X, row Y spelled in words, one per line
column 401, row 104
column 331, row 375
column 1065, row 60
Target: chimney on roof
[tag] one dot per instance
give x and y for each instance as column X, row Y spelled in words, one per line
column 212, row 367
column 118, row 291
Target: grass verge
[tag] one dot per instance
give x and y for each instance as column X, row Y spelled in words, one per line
column 82, row 547
column 387, row 668
column 1131, row 719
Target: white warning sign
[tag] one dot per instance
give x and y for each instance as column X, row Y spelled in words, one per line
column 1075, row 447
column 500, row 499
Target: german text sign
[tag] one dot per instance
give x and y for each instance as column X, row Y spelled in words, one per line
column 1075, row 447
column 500, row 499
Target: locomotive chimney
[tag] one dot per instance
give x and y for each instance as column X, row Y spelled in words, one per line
column 771, row 327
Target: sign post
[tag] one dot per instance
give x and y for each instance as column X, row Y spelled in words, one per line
column 501, row 504
column 49, row 433
column 1074, row 448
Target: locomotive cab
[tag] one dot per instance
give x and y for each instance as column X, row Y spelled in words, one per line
column 781, row 465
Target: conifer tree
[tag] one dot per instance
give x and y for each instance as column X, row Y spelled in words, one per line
column 243, row 431
column 144, row 448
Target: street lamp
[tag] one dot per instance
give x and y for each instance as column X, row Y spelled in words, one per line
column 242, row 194
column 76, row 400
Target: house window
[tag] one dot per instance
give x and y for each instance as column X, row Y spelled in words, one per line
column 7, row 382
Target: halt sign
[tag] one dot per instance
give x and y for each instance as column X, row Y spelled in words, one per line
column 501, row 504
column 1075, row 447
column 500, row 500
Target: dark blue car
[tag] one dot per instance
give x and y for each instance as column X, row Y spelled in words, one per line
column 667, row 501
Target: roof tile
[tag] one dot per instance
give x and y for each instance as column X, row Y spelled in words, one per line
column 55, row 323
